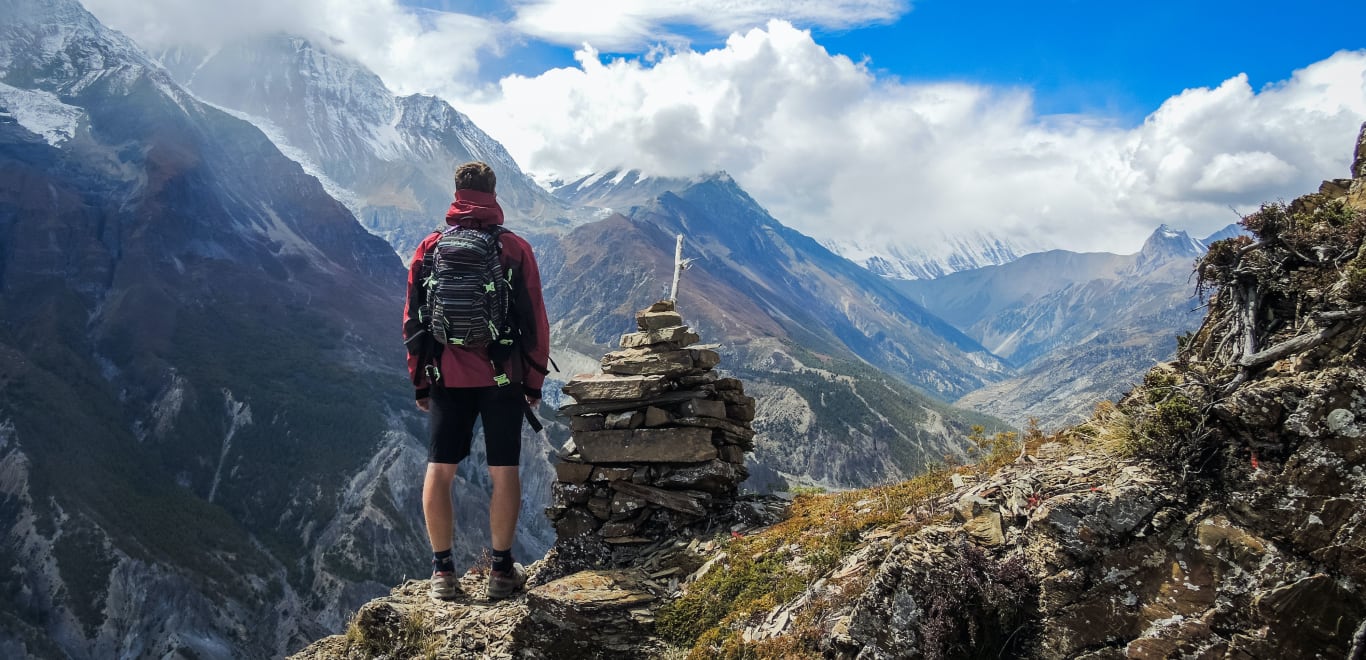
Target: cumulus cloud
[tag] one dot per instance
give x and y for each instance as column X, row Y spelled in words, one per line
column 631, row 25
column 826, row 145
column 412, row 50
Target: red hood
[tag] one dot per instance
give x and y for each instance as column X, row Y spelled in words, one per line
column 472, row 208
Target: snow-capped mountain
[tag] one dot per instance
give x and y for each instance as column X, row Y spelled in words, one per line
column 389, row 158
column 1166, row 244
column 932, row 255
column 618, row 190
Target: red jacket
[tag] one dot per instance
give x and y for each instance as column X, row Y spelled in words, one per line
column 461, row 367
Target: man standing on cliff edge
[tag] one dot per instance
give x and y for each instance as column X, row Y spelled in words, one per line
column 478, row 342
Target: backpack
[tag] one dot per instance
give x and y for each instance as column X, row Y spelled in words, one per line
column 468, row 291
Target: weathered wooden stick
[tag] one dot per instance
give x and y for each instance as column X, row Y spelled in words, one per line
column 678, row 268
column 1341, row 315
column 1290, row 346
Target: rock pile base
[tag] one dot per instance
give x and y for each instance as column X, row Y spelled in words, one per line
column 659, row 439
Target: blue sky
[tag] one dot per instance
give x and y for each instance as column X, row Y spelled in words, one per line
column 1120, row 59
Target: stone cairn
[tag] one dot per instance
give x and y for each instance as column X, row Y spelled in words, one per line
column 658, row 439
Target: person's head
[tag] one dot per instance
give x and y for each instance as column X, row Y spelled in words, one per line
column 477, row 176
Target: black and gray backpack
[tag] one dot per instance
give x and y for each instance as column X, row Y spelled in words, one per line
column 468, row 291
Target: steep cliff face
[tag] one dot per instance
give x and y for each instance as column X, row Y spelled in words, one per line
column 1217, row 511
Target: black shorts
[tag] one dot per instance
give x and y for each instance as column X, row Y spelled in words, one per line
column 453, row 412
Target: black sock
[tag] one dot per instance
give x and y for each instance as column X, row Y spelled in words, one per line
column 502, row 560
column 442, row 562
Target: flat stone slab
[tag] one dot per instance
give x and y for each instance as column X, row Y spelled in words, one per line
column 614, row 406
column 669, row 445
column 648, row 320
column 639, row 361
column 581, row 599
column 607, row 387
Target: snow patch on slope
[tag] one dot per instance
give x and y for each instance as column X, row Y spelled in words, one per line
column 41, row 113
column 277, row 137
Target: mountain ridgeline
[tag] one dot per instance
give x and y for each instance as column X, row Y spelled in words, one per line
column 1100, row 319
column 391, row 158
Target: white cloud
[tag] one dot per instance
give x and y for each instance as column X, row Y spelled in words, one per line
column 412, row 50
column 826, row 145
column 632, row 25
column 817, row 138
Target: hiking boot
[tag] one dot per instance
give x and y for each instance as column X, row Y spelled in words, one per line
column 502, row 585
column 445, row 585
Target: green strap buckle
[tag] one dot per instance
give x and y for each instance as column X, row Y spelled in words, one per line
column 502, row 379
column 457, row 342
column 488, row 288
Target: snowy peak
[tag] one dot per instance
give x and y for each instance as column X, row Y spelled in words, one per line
column 1167, row 244
column 931, row 257
column 618, row 189
column 389, row 158
column 58, row 46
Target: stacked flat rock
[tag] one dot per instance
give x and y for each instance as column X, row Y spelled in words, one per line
column 658, row 438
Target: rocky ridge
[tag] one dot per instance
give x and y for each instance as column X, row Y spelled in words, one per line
column 1216, row 511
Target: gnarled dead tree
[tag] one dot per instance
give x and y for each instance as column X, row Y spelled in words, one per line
column 1296, row 284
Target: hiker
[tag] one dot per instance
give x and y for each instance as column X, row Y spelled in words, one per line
column 478, row 342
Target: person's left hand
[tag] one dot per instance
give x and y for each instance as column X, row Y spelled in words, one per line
column 533, row 402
